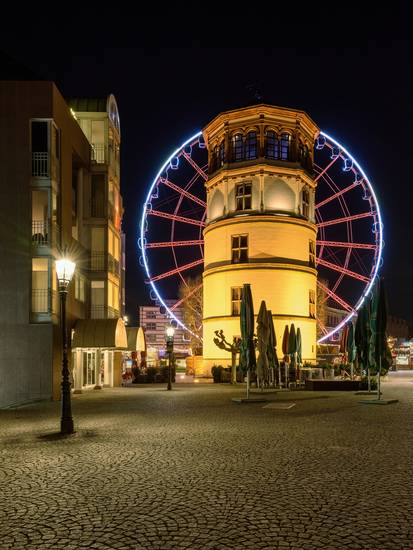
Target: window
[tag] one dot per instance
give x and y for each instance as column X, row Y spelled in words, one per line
column 312, row 303
column 80, row 288
column 311, row 251
column 306, row 202
column 239, row 249
column 243, row 196
column 98, row 196
column 221, row 158
column 89, row 368
column 237, row 148
column 285, row 146
column 236, row 296
column 151, row 314
column 251, row 146
column 150, row 326
column 272, row 146
column 40, row 285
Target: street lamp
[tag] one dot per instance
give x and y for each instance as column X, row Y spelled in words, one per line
column 170, row 331
column 64, row 271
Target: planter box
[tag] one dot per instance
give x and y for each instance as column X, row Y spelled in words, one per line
column 332, row 385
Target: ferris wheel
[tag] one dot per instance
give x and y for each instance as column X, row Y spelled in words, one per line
column 349, row 237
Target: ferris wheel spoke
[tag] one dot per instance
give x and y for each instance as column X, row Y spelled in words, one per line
column 176, row 270
column 183, row 192
column 195, row 166
column 346, row 219
column 335, row 297
column 339, row 244
column 338, row 194
column 341, row 269
column 175, row 217
column 322, row 326
column 326, row 168
column 173, row 244
column 182, row 300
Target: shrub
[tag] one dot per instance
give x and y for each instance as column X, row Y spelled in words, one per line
column 216, row 373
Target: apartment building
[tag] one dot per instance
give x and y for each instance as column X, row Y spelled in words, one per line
column 59, row 192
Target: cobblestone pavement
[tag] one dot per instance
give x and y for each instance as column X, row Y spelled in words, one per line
column 189, row 468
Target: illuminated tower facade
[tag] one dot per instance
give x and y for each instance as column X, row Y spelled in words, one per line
column 260, row 226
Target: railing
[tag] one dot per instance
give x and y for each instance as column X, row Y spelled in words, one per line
column 41, row 235
column 98, row 208
column 97, row 261
column 113, row 265
column 40, row 165
column 103, row 312
column 98, row 153
column 44, row 300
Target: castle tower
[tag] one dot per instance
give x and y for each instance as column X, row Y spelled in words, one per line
column 260, row 226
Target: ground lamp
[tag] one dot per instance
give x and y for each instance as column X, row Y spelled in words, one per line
column 170, row 331
column 64, row 270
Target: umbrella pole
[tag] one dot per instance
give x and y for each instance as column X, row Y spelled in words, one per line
column 248, row 384
column 352, row 370
column 378, row 380
column 368, row 380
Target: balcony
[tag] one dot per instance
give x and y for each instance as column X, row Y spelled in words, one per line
column 40, row 165
column 41, row 234
column 98, row 153
column 44, row 301
column 103, row 312
column 113, row 265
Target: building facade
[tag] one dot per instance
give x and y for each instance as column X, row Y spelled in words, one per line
column 260, row 226
column 48, row 186
column 154, row 324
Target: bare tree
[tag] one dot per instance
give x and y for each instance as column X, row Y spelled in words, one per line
column 190, row 296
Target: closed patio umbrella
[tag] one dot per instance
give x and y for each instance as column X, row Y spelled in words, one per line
column 292, row 349
column 285, row 352
column 272, row 349
column 299, row 352
column 351, row 348
column 247, row 351
column 263, row 336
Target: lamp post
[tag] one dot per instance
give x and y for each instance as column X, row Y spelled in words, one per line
column 64, row 271
column 170, row 331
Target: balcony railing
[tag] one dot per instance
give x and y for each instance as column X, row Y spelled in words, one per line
column 113, row 265
column 98, row 153
column 44, row 300
column 41, row 234
column 97, row 261
column 103, row 312
column 40, row 165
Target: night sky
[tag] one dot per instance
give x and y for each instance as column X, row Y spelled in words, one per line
column 361, row 95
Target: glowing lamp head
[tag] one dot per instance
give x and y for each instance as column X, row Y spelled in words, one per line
column 170, row 331
column 64, row 271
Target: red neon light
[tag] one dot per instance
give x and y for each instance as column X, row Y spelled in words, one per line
column 332, row 197
column 340, row 269
column 347, row 245
column 177, row 270
column 334, row 296
column 183, row 192
column 346, row 219
column 195, row 165
column 173, row 244
column 175, row 217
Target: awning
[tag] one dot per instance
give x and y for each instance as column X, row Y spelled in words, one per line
column 100, row 333
column 136, row 339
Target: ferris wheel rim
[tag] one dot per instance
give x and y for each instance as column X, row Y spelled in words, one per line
column 376, row 261
column 142, row 231
column 380, row 253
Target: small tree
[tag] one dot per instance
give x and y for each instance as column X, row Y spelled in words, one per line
column 191, row 296
column 221, row 342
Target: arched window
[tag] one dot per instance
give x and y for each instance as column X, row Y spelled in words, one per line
column 306, row 203
column 237, row 148
column 215, row 162
column 272, row 146
column 221, row 156
column 251, row 146
column 301, row 151
column 285, row 146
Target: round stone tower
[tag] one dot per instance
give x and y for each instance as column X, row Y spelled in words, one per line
column 260, row 226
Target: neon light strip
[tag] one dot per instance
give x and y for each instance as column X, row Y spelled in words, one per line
column 379, row 257
column 142, row 231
